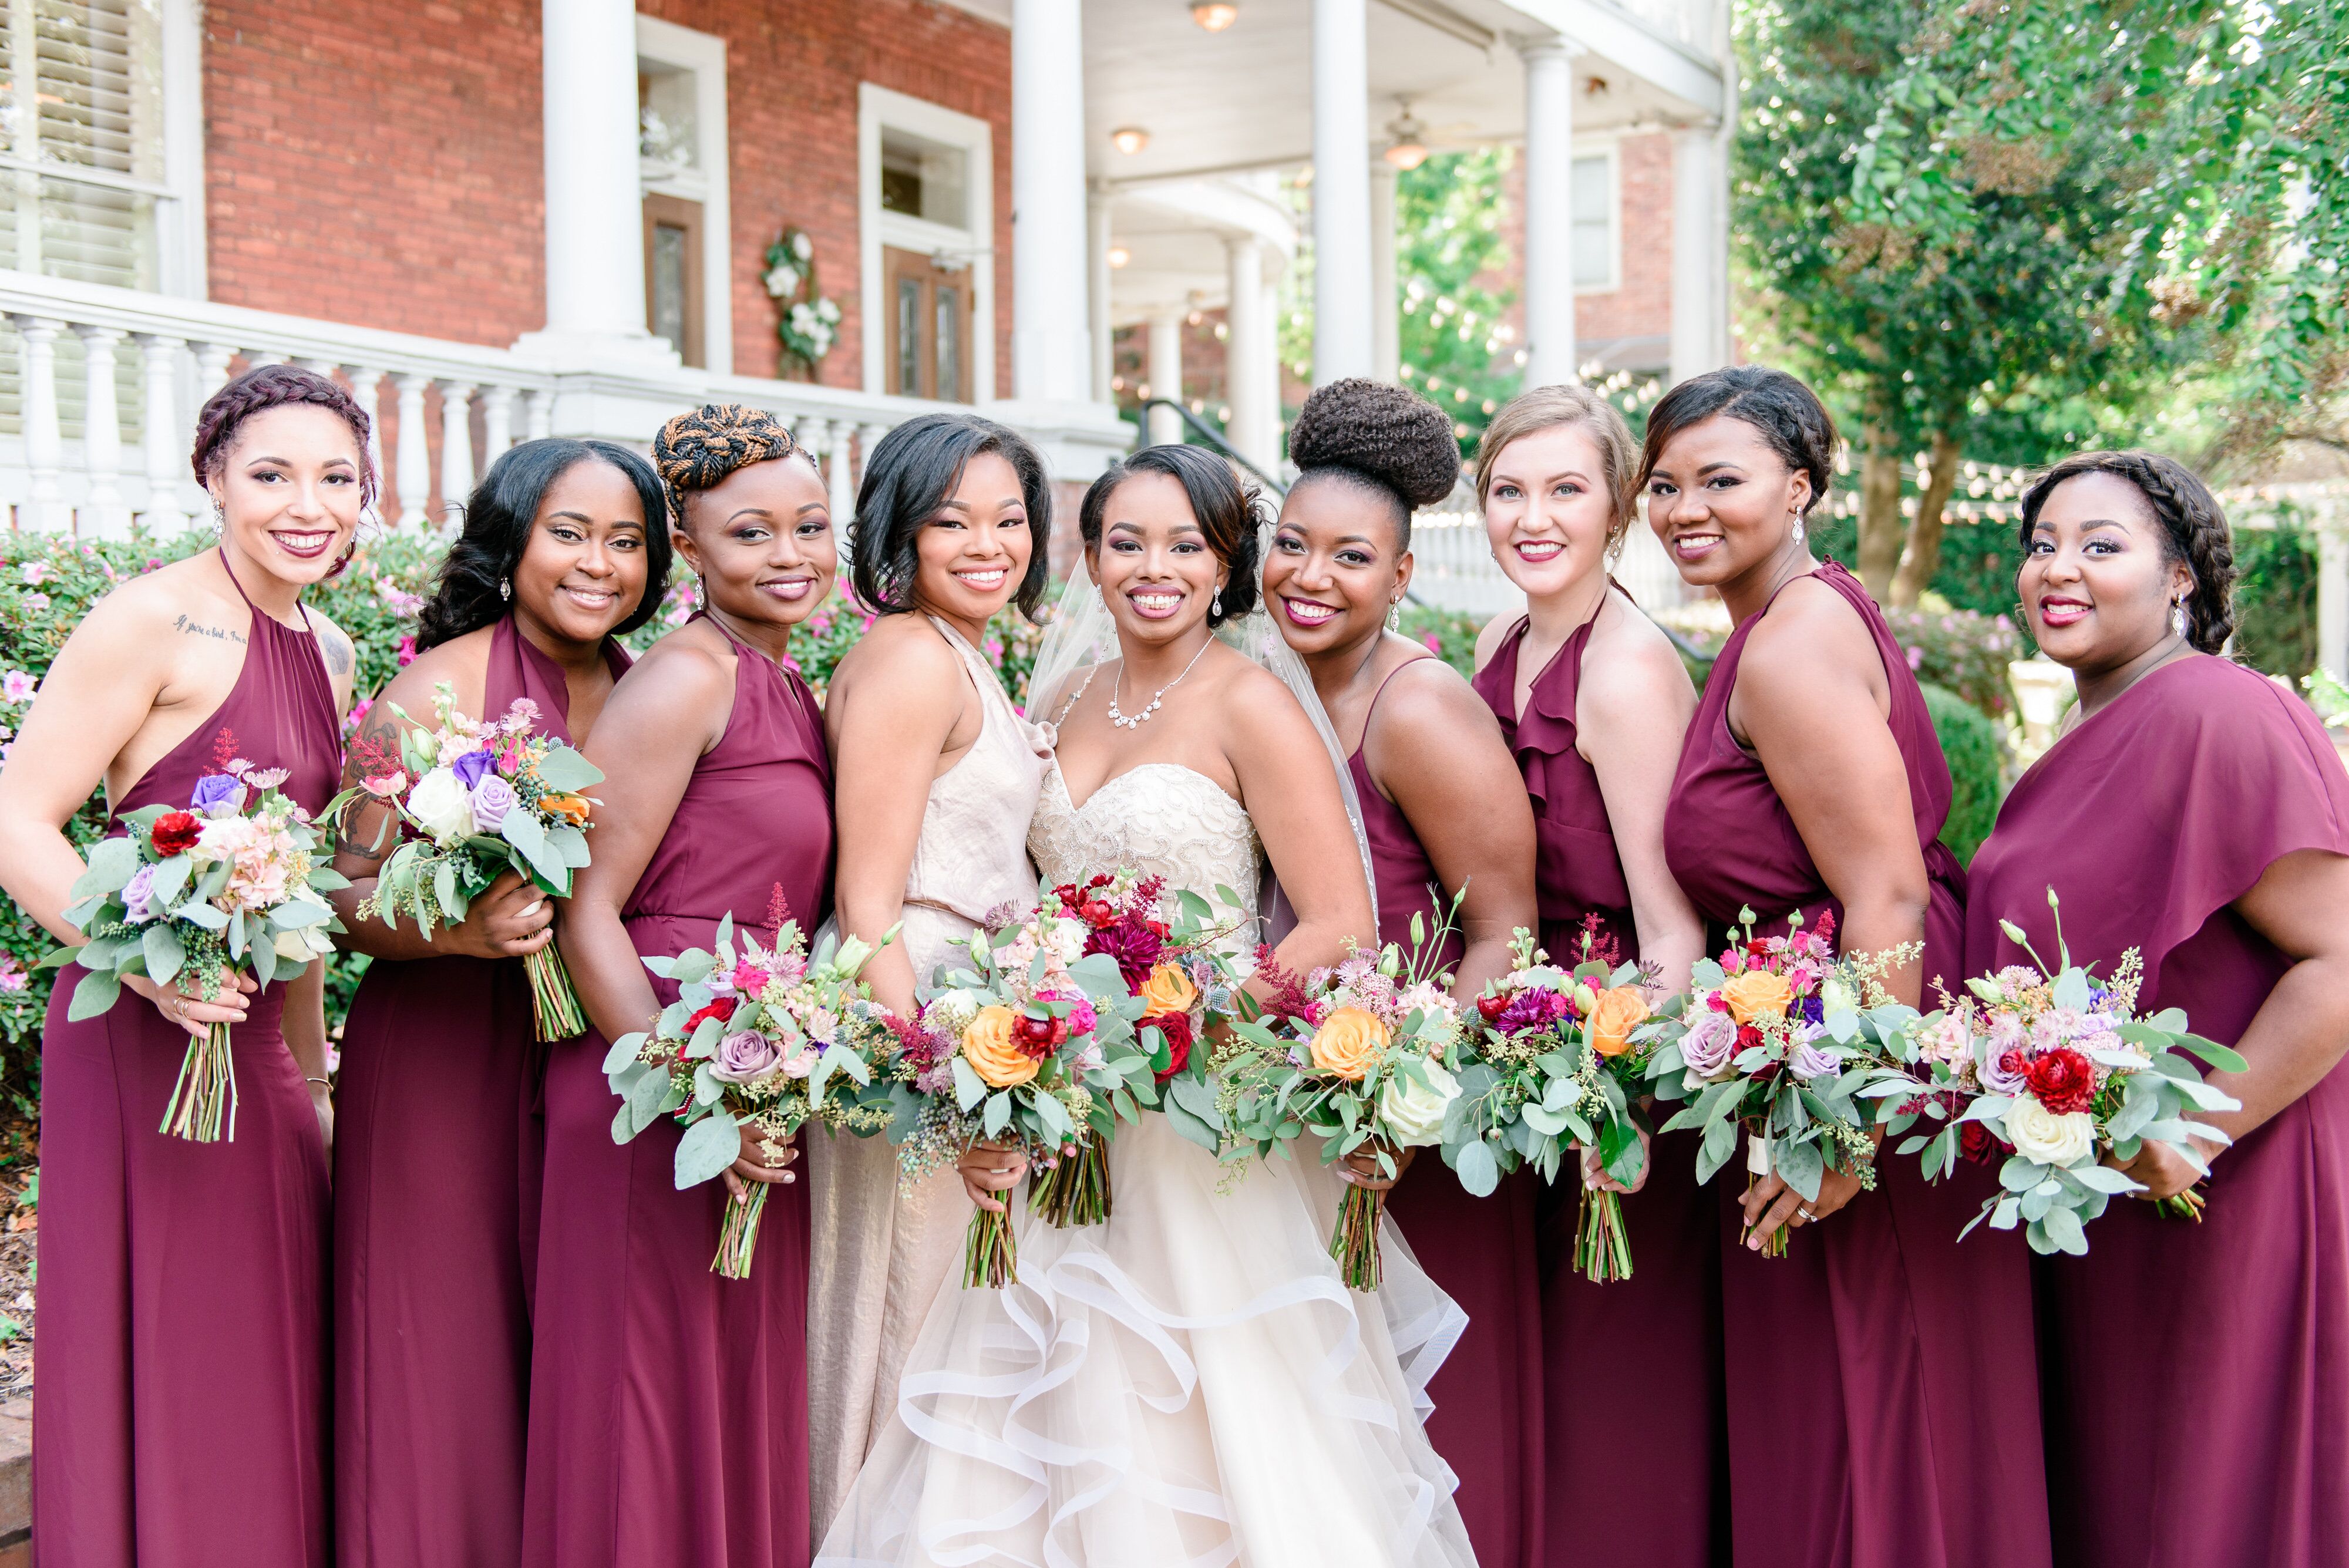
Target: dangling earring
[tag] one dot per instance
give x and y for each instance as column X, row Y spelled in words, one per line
column 1216, row 606
column 1394, row 615
column 505, row 588
column 1799, row 527
column 220, row 517
column 1615, row 551
column 2178, row 616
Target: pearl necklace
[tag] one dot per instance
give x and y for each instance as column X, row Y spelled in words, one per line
column 1135, row 722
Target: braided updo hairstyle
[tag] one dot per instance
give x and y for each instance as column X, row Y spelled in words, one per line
column 1386, row 441
column 697, row 451
column 2193, row 530
column 270, row 387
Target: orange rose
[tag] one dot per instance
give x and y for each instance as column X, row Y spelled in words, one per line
column 1608, row 1027
column 1168, row 989
column 572, row 808
column 1757, row 994
column 993, row 1052
column 1350, row 1043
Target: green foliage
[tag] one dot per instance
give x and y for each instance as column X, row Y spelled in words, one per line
column 2275, row 598
column 1971, row 742
column 1960, row 651
column 1448, row 252
column 1451, row 635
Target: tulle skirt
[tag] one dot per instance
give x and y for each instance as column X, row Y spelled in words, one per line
column 1190, row 1383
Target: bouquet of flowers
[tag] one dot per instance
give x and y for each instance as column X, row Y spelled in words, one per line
column 233, row 882
column 1765, row 1039
column 1171, row 966
column 1361, row 1054
column 1559, row 1064
column 2054, row 1070
column 1029, row 1046
column 481, row 798
column 764, row 1038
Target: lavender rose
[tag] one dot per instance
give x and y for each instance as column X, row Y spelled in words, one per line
column 1808, row 1061
column 216, row 793
column 493, row 798
column 744, row 1058
column 1711, row 1042
column 2006, row 1072
column 135, row 894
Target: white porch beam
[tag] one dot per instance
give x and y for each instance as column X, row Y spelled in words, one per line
column 1341, row 192
column 1166, row 374
column 1549, row 212
column 1386, row 299
column 1246, row 344
column 1097, row 268
column 1700, row 297
column 1051, row 355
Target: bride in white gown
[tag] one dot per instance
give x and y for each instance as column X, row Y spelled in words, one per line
column 1190, row 1383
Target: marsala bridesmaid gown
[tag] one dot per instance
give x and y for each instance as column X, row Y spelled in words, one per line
column 1487, row 1420
column 1633, row 1368
column 181, row 1416
column 2194, row 1376
column 1882, row 1411
column 438, row 1147
column 667, row 1404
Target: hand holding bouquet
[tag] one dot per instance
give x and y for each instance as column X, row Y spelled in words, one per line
column 481, row 799
column 1360, row 1055
column 760, row 1042
column 2054, row 1070
column 231, row 883
column 1559, row 1062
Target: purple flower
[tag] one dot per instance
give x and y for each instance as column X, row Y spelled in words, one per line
column 743, row 1058
column 1711, row 1042
column 216, row 793
column 1809, row 1061
column 1810, row 1010
column 136, row 893
column 1533, row 1008
column 472, row 766
column 1134, row 946
column 2005, row 1071
column 493, row 798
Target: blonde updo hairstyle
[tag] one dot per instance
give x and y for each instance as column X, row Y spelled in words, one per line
column 1568, row 403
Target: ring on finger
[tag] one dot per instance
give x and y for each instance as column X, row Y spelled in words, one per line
column 1805, row 1211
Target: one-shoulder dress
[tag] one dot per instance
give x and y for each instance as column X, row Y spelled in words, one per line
column 880, row 1258
column 667, row 1404
column 182, row 1411
column 438, row 1147
column 1672, row 1507
column 2194, row 1376
column 1872, row 1421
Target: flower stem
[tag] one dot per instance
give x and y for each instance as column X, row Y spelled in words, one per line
column 1602, row 1244
column 1355, row 1243
column 2186, row 1205
column 738, row 1238
column 990, row 1258
column 1076, row 1191
column 554, row 1005
column 206, row 1092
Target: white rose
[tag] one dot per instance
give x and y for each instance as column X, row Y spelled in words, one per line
column 1413, row 1112
column 2038, row 1133
column 302, row 945
column 441, row 806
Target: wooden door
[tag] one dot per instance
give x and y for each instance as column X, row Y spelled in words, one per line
column 930, row 334
column 673, row 292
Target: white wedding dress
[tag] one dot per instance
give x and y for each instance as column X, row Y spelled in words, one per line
column 1191, row 1384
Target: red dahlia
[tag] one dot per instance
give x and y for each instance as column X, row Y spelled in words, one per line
column 2063, row 1081
column 175, row 832
column 1039, row 1037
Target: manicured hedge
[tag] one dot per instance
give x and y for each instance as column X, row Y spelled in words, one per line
column 1971, row 742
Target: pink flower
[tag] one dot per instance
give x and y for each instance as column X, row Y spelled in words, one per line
column 385, row 787
column 407, row 651
column 18, row 687
column 37, row 602
column 750, row 980
column 13, row 977
column 36, row 572
column 1433, row 646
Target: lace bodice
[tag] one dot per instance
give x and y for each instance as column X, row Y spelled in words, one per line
column 1158, row 818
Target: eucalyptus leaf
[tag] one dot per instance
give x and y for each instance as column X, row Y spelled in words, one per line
column 564, row 769
column 1189, row 1125
column 112, row 863
column 1479, row 1172
column 969, row 1087
column 95, row 991
column 265, row 958
column 623, row 1052
column 198, row 913
column 707, row 1148
column 997, row 1114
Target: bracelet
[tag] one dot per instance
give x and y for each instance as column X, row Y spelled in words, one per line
column 321, row 1083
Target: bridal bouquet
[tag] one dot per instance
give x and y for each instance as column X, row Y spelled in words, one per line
column 2052, row 1069
column 1558, row 1064
column 1360, row 1055
column 234, row 882
column 1027, row 1047
column 481, row 798
column 760, row 1038
column 1780, row 1036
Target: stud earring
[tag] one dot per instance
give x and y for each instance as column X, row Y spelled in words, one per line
column 505, row 588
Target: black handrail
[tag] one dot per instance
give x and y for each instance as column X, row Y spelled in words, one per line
column 1212, row 436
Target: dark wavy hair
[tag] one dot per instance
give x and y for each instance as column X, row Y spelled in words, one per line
column 2193, row 530
column 1388, row 442
column 1230, row 514
column 1786, row 412
column 499, row 517
column 910, row 474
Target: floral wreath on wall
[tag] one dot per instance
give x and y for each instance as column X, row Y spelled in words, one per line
column 810, row 322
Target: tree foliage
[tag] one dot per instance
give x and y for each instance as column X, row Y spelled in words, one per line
column 1450, row 257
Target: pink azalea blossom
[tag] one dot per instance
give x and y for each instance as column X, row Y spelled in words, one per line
column 18, row 687
column 407, row 651
column 36, row 572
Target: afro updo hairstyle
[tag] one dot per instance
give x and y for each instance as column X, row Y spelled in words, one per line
column 1387, row 441
column 1229, row 514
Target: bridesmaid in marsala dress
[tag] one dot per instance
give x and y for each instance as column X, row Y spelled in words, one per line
column 565, row 544
column 2195, row 1376
column 668, row 1404
column 1442, row 808
column 1593, row 700
column 182, row 1413
column 1882, row 1410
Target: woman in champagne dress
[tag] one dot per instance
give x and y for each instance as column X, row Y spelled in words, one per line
column 1190, row 1382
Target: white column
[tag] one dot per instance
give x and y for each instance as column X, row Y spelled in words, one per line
column 1244, row 348
column 868, row 438
column 414, row 462
column 103, row 513
column 1341, row 192
column 1166, row 374
column 2332, row 592
column 45, row 506
column 1097, row 327
column 594, row 197
column 497, row 424
column 211, row 369
column 538, row 414
column 456, row 447
column 1052, row 358
column 166, row 452
column 1268, row 360
column 843, row 477
column 367, row 383
column 1549, row 213
column 1700, row 305
column 1386, row 299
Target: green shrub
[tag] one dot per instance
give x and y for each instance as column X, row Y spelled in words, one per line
column 1451, row 635
column 2275, row 598
column 1971, row 742
column 1962, row 650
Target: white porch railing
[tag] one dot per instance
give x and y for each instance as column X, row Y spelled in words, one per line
column 99, row 389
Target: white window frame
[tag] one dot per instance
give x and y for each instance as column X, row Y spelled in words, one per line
column 1611, row 148
column 878, row 106
column 703, row 55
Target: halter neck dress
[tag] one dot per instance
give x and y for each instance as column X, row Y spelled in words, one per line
column 438, row 1147
column 184, row 1356
column 668, row 1404
column 1872, row 1421
column 1670, row 1510
column 2220, row 1437
column 1480, row 1251
column 880, row 1261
